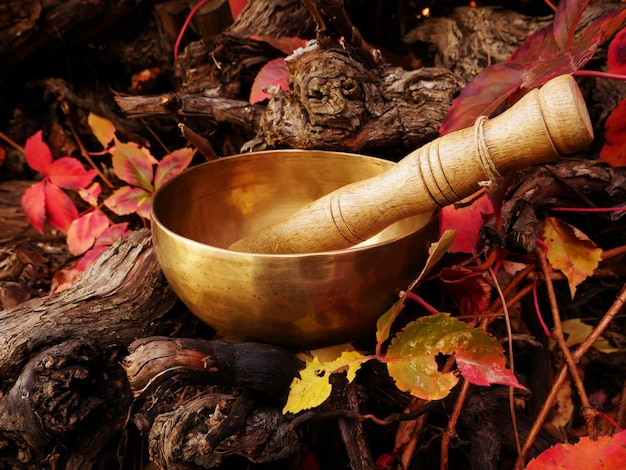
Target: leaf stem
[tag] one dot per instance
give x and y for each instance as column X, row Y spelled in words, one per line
column 597, row 73
column 11, row 142
column 588, row 209
column 192, row 13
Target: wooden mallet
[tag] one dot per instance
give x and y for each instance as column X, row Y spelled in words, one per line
column 545, row 123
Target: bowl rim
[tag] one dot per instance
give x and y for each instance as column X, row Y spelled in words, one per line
column 428, row 216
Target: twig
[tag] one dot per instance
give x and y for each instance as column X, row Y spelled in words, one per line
column 582, row 349
column 11, row 142
column 589, row 412
column 85, row 154
column 451, row 427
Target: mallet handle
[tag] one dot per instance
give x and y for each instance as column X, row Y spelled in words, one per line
column 546, row 122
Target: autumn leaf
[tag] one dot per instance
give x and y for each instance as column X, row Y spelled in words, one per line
column 616, row 55
column 102, row 129
column 312, row 388
column 171, row 165
column 570, row 251
column 38, row 154
column 604, row 453
column 236, row 6
column 566, row 18
column 614, row 149
column 69, row 173
column 273, row 73
column 90, row 194
column 466, row 221
column 411, row 357
column 34, row 205
column 483, row 95
column 133, row 165
column 128, row 200
column 468, row 288
column 83, row 231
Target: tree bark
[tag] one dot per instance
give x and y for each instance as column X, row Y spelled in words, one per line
column 64, row 396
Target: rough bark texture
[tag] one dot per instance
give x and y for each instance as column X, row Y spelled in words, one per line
column 64, row 397
column 203, row 401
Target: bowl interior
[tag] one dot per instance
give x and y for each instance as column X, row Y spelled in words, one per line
column 218, row 203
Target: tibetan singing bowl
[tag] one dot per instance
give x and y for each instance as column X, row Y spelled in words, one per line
column 304, row 300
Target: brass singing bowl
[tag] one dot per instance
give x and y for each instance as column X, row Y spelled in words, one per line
column 294, row 300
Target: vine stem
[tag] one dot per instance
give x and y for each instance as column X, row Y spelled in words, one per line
column 589, row 412
column 582, row 349
column 85, row 154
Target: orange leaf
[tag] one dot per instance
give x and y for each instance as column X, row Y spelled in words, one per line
column 570, row 251
column 605, row 453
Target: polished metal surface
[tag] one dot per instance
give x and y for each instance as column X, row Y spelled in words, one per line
column 300, row 301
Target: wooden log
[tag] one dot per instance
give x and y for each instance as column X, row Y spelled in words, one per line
column 64, row 396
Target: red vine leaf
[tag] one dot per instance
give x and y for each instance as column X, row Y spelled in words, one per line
column 538, row 46
column 83, row 231
column 133, row 165
column 466, row 221
column 38, row 154
column 614, row 149
column 60, row 209
column 273, row 73
column 69, row 173
column 172, row 164
column 616, row 55
column 604, row 453
column 127, row 200
column 566, row 18
column 483, row 95
column 468, row 288
column 91, row 194
column 34, row 205
column 236, row 6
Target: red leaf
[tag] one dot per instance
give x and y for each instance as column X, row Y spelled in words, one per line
column 69, row 173
column 616, row 56
column 467, row 221
column 127, row 200
column 60, row 209
column 583, row 49
column 236, row 6
column 538, row 46
column 614, row 149
column 605, row 453
column 91, row 194
column 486, row 374
column 112, row 234
column 272, row 73
column 38, row 153
column 133, row 165
column 469, row 289
column 285, row 44
column 83, row 232
column 483, row 95
column 34, row 205
column 172, row 164
column 566, row 19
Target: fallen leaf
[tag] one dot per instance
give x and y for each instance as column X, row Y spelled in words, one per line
column 273, row 73
column 614, row 149
column 411, row 357
column 570, row 251
column 466, row 221
column 616, row 54
column 468, row 288
column 312, row 388
column 605, row 453
column 102, row 129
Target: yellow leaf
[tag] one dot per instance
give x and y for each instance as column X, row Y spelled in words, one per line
column 102, row 128
column 570, row 251
column 577, row 332
column 312, row 388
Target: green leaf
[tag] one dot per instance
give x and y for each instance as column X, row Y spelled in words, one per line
column 411, row 357
column 312, row 388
